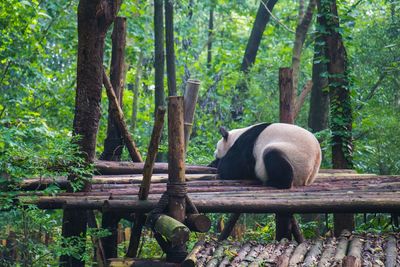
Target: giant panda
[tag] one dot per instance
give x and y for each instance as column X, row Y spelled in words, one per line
column 280, row 155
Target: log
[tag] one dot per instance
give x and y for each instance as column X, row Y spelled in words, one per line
column 353, row 258
column 175, row 232
column 391, row 252
column 296, row 231
column 264, row 256
column 242, row 253
column 299, row 254
column 313, row 254
column 198, row 223
column 190, row 100
column 341, row 248
column 231, row 251
column 176, row 158
column 128, row 262
column 328, row 254
column 283, row 259
column 253, row 254
column 152, row 153
column 287, row 96
column 351, row 261
column 209, row 203
column 283, row 225
column 216, row 257
column 120, row 121
column 191, row 259
column 124, row 167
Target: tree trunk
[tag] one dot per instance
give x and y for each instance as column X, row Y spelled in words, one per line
column 94, row 18
column 257, row 31
column 135, row 90
column 319, row 102
column 210, row 33
column 249, row 57
column 159, row 98
column 301, row 33
column 340, row 102
column 114, row 142
column 169, row 44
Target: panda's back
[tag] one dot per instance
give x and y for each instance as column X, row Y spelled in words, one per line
column 299, row 145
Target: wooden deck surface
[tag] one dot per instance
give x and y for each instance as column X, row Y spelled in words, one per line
column 332, row 192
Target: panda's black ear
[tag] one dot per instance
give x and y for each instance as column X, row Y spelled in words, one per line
column 224, row 132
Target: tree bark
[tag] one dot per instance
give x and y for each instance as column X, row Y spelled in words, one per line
column 169, row 45
column 257, row 31
column 249, row 57
column 287, row 96
column 319, row 101
column 301, row 33
column 210, row 33
column 159, row 98
column 340, row 102
column 135, row 89
column 94, row 18
column 114, row 142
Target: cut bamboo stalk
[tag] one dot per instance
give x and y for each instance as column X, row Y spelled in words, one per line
column 299, row 254
column 216, row 257
column 341, row 248
column 283, row 259
column 190, row 100
column 312, row 256
column 120, row 121
column 328, row 254
column 391, row 252
column 176, row 232
column 242, row 253
column 191, row 259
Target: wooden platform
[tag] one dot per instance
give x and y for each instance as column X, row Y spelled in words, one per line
column 347, row 250
column 332, row 192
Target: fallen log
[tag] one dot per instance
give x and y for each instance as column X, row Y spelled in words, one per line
column 191, row 259
column 328, row 254
column 312, row 256
column 283, row 260
column 299, row 254
column 391, row 252
column 216, row 257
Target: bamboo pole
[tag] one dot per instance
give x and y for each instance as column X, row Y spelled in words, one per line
column 119, row 118
column 140, row 218
column 191, row 259
column 190, row 100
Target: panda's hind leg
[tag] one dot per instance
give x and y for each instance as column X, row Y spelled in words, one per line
column 279, row 169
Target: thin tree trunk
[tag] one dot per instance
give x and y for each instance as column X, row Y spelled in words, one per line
column 210, row 33
column 301, row 33
column 257, row 31
column 93, row 23
column 249, row 57
column 136, row 86
column 340, row 102
column 114, row 142
column 319, row 101
column 169, row 44
column 159, row 54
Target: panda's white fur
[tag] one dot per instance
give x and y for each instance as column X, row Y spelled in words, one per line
column 299, row 147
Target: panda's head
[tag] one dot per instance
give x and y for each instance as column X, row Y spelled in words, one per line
column 225, row 143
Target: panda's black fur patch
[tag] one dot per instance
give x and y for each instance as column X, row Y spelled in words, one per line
column 239, row 161
column 279, row 170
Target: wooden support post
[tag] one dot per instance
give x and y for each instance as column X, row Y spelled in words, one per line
column 119, row 118
column 286, row 96
column 176, row 186
column 110, row 222
column 145, row 185
column 190, row 99
column 286, row 223
column 114, row 142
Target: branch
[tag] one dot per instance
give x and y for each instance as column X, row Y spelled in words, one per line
column 276, row 19
column 372, row 91
column 302, row 97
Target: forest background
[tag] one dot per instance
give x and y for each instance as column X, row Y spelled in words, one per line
column 38, row 50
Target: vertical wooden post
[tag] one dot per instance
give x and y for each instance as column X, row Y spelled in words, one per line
column 286, row 96
column 169, row 46
column 190, row 99
column 286, row 112
column 176, row 186
column 176, row 155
